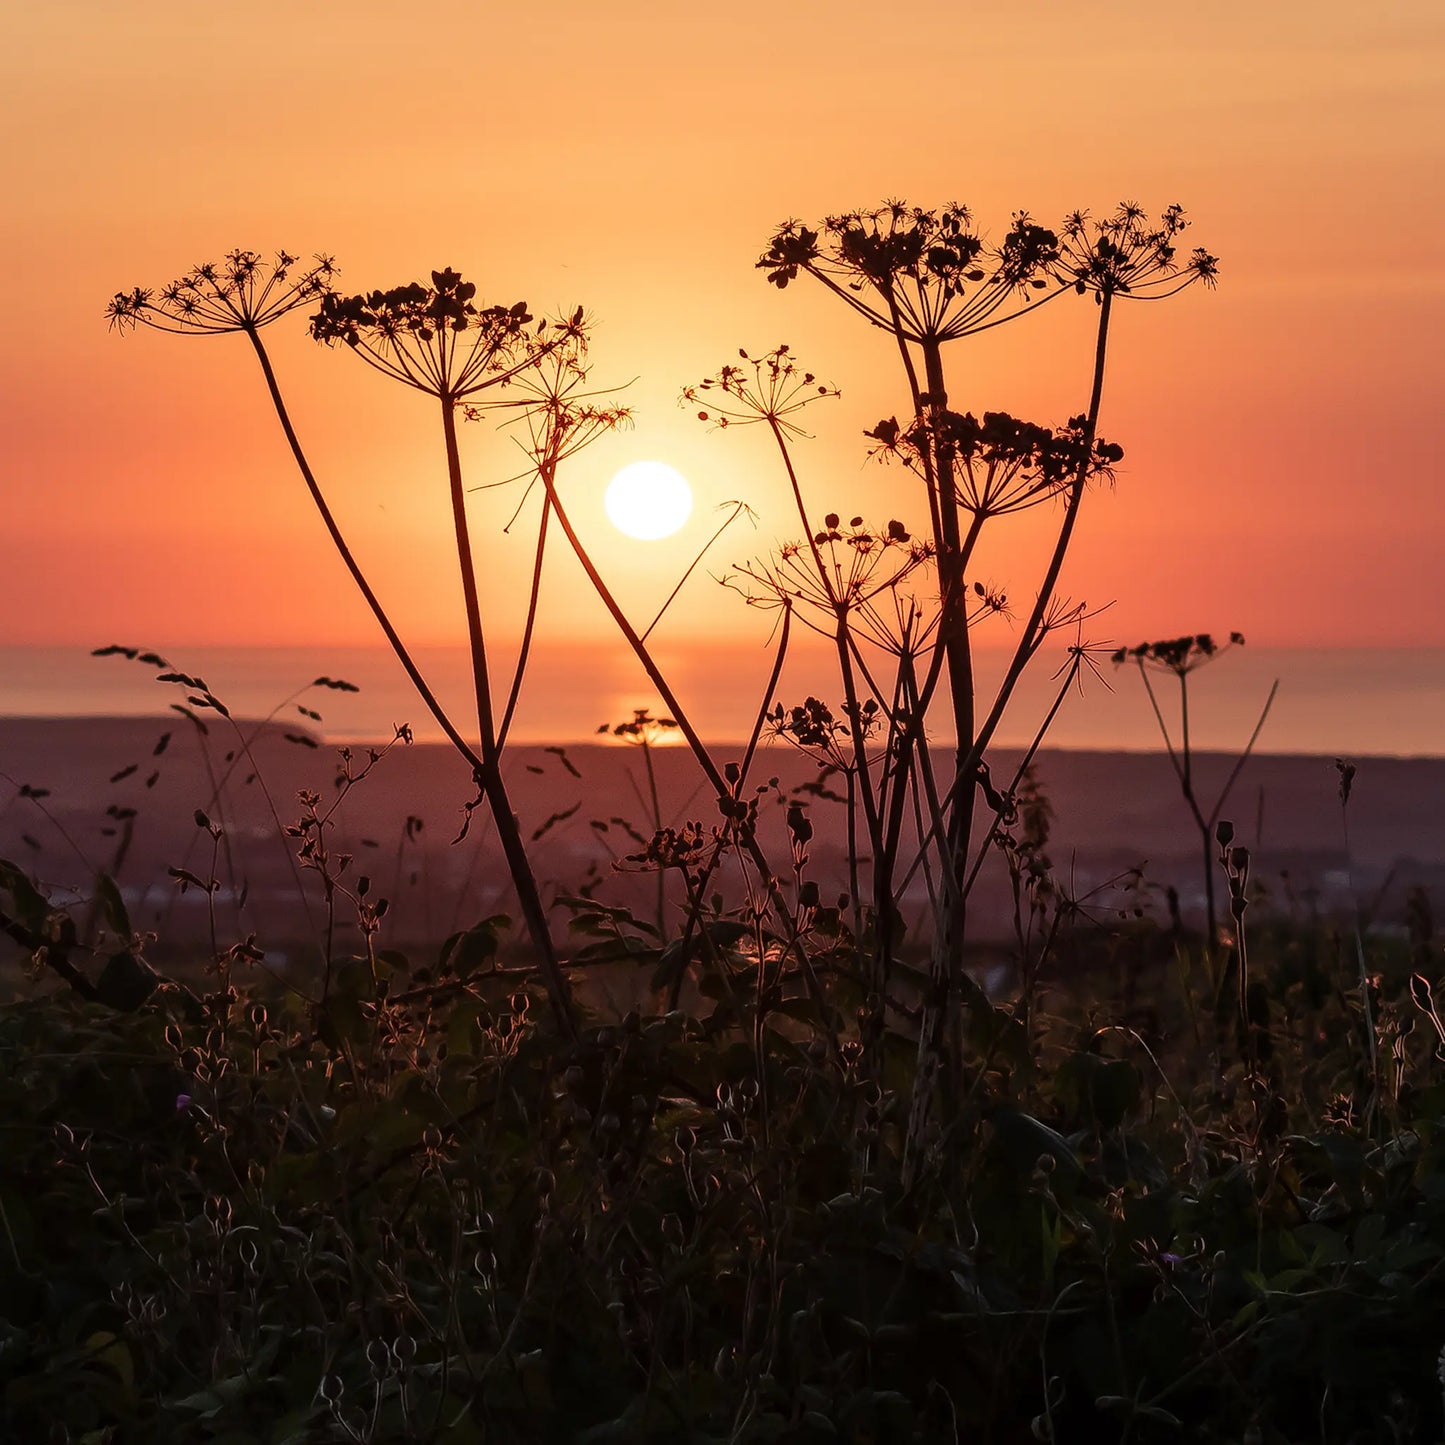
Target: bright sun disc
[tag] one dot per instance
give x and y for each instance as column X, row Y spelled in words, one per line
column 648, row 500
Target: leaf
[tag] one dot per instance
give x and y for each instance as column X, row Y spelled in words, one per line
column 472, row 950
column 546, row 827
column 32, row 905
column 113, row 906
column 111, row 1351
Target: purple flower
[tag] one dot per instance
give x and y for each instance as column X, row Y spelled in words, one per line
column 183, row 1102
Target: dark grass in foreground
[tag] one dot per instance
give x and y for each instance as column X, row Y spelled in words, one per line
column 417, row 1214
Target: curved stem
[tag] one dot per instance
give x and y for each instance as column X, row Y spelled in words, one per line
column 548, row 474
column 481, row 680
column 372, row 601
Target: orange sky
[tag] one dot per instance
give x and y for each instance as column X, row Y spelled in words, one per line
column 1283, row 459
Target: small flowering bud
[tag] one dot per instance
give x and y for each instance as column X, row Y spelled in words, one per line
column 1224, row 833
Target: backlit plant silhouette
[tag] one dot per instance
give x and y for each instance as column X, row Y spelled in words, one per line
column 928, row 278
column 897, row 600
column 437, row 340
column 1180, row 658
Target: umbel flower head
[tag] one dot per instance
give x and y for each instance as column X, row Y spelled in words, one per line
column 243, row 292
column 1179, row 655
column 1130, row 254
column 435, row 338
column 854, row 569
column 926, row 275
column 768, row 388
column 1000, row 464
column 552, row 397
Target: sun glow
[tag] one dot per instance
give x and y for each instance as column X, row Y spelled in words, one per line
column 648, row 500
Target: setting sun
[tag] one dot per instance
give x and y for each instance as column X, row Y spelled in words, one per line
column 648, row 500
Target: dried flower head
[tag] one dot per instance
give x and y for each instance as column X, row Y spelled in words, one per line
column 1128, row 253
column 435, row 338
column 1179, row 655
column 926, row 275
column 814, row 728
column 770, row 388
column 552, row 400
column 243, row 292
column 684, row 847
column 861, row 578
column 1000, row 464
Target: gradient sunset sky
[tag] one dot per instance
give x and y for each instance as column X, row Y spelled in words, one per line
column 1282, row 434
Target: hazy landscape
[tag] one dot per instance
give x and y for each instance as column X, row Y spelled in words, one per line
column 1115, row 813
column 756, row 757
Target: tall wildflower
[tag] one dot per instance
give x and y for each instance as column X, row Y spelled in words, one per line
column 440, row 341
column 929, row 278
column 433, row 338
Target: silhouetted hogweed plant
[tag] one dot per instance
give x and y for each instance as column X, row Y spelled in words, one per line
column 437, row 340
column 929, row 278
column 1179, row 658
column 899, row 603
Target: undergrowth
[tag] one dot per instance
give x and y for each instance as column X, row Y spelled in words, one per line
column 413, row 1212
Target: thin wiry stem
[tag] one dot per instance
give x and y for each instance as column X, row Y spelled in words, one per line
column 489, row 775
column 738, row 508
column 352, row 566
column 533, row 598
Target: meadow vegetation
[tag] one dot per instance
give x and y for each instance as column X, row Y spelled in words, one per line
column 819, row 1184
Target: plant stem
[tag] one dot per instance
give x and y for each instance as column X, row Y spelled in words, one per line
column 372, row 601
column 489, row 774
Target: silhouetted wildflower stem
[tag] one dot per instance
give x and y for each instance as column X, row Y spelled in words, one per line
column 700, row 750
column 1181, row 657
column 343, row 549
column 437, row 340
column 524, row 652
column 927, row 278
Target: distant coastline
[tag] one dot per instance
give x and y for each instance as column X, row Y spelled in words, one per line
column 1344, row 701
column 1114, row 811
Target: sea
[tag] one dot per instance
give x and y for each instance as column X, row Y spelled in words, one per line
column 1350, row 702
